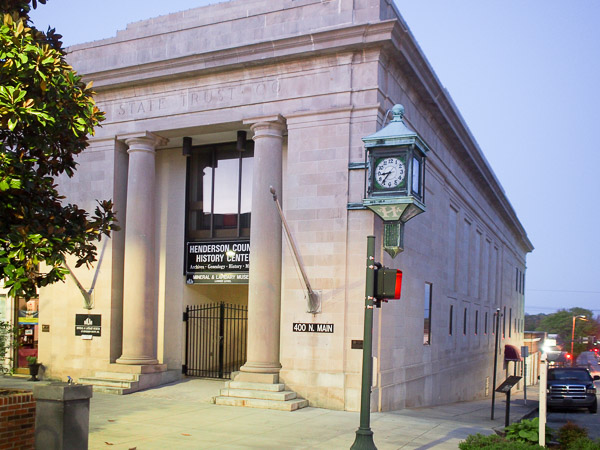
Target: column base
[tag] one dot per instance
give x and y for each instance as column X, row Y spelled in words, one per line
column 250, row 377
column 132, row 360
column 259, row 373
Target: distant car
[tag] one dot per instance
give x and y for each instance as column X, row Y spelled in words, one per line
column 588, row 360
column 571, row 387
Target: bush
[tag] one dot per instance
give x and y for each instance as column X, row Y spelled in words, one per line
column 494, row 442
column 569, row 433
column 526, row 431
column 583, row 443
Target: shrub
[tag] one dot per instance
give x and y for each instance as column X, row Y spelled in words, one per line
column 494, row 442
column 583, row 443
column 526, row 431
column 571, row 435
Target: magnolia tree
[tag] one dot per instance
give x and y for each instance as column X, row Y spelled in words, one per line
column 46, row 115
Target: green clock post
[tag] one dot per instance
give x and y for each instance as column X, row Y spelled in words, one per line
column 395, row 191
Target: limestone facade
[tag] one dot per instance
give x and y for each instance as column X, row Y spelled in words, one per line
column 306, row 79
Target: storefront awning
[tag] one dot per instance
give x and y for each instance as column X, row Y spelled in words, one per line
column 511, row 353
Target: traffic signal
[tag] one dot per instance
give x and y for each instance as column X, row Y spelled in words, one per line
column 388, row 284
column 568, row 356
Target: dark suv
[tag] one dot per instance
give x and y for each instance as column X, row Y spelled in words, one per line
column 571, row 387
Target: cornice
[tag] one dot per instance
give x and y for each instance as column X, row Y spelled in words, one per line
column 322, row 42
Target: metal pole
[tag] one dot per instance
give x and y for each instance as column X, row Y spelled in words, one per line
column 572, row 340
column 542, row 405
column 525, row 378
column 495, row 361
column 507, row 415
column 364, row 435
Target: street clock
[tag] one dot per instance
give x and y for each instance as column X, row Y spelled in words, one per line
column 395, row 188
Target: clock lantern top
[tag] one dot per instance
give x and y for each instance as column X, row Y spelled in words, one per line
column 396, row 170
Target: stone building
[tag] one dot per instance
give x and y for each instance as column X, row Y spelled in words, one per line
column 305, row 80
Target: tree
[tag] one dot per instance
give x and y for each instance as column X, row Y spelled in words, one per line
column 532, row 321
column 561, row 322
column 46, row 114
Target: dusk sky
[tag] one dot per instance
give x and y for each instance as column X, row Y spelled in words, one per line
column 524, row 76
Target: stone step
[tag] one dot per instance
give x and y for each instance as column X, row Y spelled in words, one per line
column 255, row 386
column 117, row 376
column 112, row 390
column 281, row 396
column 290, row 405
column 108, row 382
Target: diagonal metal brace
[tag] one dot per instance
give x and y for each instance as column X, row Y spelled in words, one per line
column 313, row 297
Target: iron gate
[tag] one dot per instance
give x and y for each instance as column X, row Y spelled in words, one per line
column 215, row 339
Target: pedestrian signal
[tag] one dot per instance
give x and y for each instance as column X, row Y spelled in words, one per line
column 388, row 284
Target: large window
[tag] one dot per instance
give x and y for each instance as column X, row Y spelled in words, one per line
column 427, row 314
column 219, row 197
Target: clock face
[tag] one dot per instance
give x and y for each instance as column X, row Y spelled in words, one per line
column 389, row 173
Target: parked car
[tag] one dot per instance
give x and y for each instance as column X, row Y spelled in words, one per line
column 571, row 387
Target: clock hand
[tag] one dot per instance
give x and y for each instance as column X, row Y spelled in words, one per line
column 387, row 174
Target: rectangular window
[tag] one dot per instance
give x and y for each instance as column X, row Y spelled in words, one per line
column 465, row 321
column 510, row 322
column 485, row 324
column 450, row 320
column 219, row 192
column 504, row 323
column 452, row 253
column 476, row 322
column 427, row 314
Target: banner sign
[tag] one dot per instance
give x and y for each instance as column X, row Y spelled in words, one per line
column 217, row 262
column 88, row 324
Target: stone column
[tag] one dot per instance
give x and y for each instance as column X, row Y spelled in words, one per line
column 139, row 293
column 264, row 290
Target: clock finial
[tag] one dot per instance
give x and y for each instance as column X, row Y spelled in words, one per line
column 398, row 113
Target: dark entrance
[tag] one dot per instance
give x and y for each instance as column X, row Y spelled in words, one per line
column 215, row 339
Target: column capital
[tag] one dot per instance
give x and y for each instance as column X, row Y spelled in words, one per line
column 267, row 126
column 142, row 141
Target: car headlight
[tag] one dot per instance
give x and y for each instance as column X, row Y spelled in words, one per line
column 590, row 389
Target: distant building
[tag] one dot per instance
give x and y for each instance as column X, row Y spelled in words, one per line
column 305, row 80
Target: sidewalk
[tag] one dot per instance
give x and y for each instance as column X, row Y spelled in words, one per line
column 181, row 416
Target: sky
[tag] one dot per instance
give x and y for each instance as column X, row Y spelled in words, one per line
column 524, row 76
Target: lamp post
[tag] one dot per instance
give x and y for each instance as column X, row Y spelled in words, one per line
column 497, row 315
column 582, row 317
column 395, row 191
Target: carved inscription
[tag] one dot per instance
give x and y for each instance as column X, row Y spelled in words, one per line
column 193, row 100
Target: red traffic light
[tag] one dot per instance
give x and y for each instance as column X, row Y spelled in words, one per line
column 568, row 355
column 596, row 350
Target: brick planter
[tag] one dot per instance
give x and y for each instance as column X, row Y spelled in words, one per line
column 17, row 419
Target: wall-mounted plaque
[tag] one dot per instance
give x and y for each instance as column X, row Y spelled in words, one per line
column 312, row 327
column 88, row 324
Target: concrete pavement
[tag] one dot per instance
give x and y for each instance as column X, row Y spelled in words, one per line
column 181, row 415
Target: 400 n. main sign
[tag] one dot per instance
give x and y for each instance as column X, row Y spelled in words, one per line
column 217, row 262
